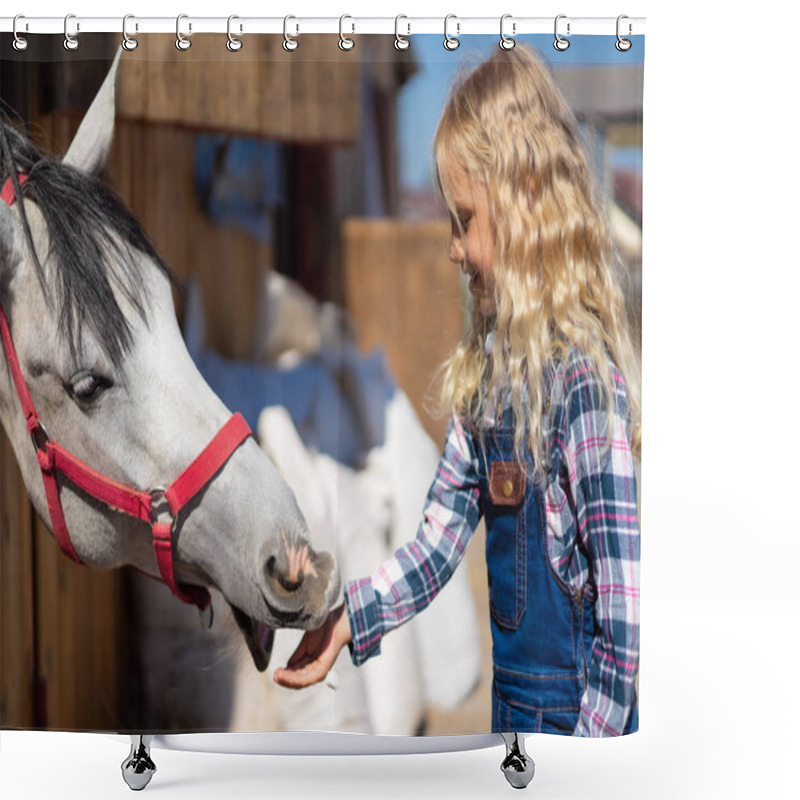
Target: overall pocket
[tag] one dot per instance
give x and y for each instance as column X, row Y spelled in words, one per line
column 506, row 543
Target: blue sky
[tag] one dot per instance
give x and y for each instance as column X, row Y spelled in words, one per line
column 422, row 99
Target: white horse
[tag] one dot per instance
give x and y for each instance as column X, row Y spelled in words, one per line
column 92, row 338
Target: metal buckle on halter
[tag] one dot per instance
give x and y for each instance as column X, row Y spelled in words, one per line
column 40, row 437
column 159, row 505
column 161, row 509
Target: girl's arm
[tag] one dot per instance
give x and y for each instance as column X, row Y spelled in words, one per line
column 603, row 484
column 407, row 582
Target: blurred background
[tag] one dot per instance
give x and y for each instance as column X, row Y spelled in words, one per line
column 292, row 195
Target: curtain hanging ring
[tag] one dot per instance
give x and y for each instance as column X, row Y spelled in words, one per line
column 623, row 45
column 20, row 42
column 507, row 42
column 128, row 42
column 182, row 43
column 345, row 42
column 451, row 42
column 401, row 42
column 561, row 44
column 290, row 43
column 233, row 44
column 70, row 42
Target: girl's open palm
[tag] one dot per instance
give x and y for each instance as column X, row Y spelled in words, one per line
column 316, row 653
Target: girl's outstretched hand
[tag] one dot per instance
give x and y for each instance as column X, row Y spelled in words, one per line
column 316, row 653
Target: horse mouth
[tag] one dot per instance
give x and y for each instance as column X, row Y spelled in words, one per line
column 287, row 619
column 258, row 637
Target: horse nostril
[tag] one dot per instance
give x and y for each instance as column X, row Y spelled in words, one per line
column 291, row 586
column 288, row 577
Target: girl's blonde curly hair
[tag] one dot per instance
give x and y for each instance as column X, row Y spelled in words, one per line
column 557, row 279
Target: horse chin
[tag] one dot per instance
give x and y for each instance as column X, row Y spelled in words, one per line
column 259, row 638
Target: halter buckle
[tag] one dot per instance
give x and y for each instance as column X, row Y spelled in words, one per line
column 159, row 505
column 40, row 438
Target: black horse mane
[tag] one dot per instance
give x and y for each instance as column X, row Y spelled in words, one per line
column 94, row 240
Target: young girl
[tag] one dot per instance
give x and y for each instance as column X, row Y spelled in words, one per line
column 543, row 393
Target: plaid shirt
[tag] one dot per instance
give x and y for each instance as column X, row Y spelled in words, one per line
column 592, row 537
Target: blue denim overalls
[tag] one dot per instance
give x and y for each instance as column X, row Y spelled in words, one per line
column 541, row 629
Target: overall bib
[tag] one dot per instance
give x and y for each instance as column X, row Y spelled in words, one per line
column 542, row 629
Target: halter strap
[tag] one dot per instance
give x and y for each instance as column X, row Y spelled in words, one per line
column 54, row 459
column 8, row 195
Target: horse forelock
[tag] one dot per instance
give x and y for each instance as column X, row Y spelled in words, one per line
column 94, row 245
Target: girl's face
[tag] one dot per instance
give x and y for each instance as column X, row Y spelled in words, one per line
column 474, row 251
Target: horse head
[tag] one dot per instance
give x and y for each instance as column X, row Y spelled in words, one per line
column 89, row 306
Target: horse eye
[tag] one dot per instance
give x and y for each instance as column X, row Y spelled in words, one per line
column 88, row 386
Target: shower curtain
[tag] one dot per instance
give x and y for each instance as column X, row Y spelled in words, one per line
column 293, row 195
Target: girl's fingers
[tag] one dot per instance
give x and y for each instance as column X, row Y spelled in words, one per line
column 308, row 675
column 299, row 655
column 313, row 657
column 310, row 646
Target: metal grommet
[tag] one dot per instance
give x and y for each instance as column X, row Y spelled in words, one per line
column 623, row 45
column 561, row 44
column 70, row 42
column 290, row 43
column 20, row 43
column 451, row 42
column 182, row 43
column 506, row 42
column 128, row 42
column 345, row 42
column 233, row 44
column 401, row 42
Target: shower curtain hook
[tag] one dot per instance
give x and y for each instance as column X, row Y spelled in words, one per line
column 128, row 42
column 182, row 43
column 290, row 43
column 20, row 42
column 401, row 42
column 507, row 42
column 623, row 45
column 233, row 44
column 451, row 42
column 561, row 44
column 345, row 43
column 70, row 42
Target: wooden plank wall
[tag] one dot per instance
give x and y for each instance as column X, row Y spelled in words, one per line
column 59, row 624
column 152, row 167
column 309, row 96
column 404, row 294
column 17, row 643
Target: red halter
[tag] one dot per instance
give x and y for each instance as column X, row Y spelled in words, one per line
column 146, row 506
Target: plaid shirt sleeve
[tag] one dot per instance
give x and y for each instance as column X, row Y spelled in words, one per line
column 414, row 575
column 603, row 487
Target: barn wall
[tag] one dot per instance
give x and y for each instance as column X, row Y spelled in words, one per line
column 17, row 636
column 311, row 95
column 403, row 293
